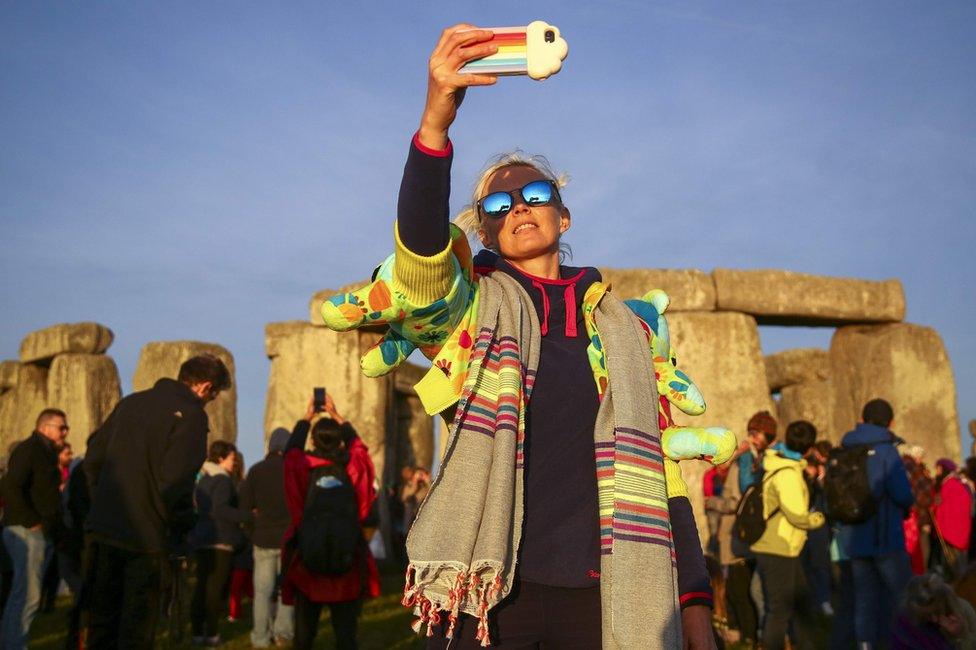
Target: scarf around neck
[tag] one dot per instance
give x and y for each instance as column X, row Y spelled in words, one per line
column 463, row 545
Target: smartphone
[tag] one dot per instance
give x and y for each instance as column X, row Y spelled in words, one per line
column 536, row 50
column 318, row 399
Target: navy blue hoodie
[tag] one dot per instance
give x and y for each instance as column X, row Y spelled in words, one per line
column 882, row 533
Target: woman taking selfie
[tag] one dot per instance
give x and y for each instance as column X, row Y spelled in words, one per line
column 551, row 522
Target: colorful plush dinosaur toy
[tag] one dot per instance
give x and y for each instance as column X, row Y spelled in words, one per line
column 714, row 444
column 429, row 327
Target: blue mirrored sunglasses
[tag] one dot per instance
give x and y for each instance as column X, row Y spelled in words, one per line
column 498, row 204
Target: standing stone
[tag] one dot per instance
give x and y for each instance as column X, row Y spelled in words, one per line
column 304, row 356
column 972, row 435
column 812, row 401
column 8, row 375
column 721, row 352
column 688, row 289
column 45, row 344
column 906, row 365
column 796, row 366
column 87, row 388
column 20, row 405
column 799, row 298
column 163, row 359
column 415, row 429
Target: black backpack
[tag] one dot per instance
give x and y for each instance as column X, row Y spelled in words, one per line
column 750, row 524
column 849, row 496
column 329, row 535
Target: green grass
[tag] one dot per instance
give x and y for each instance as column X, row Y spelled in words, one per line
column 384, row 624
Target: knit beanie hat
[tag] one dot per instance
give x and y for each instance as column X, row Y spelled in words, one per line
column 947, row 465
column 278, row 439
column 763, row 421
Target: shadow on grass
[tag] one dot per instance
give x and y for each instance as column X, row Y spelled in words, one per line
column 384, row 624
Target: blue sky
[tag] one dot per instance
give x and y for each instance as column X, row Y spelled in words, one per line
column 196, row 170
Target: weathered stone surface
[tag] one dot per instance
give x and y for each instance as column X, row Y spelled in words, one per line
column 785, row 297
column 906, row 365
column 314, row 315
column 721, row 352
column 304, row 356
column 87, row 388
column 796, row 366
column 86, row 338
column 20, row 405
column 972, row 434
column 812, row 401
column 689, row 289
column 8, row 375
column 163, row 359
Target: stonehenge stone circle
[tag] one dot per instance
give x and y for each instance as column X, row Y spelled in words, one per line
column 812, row 401
column 8, row 375
column 87, row 388
column 796, row 366
column 45, row 344
column 20, row 404
column 689, row 289
column 801, row 299
column 908, row 366
column 720, row 352
column 163, row 359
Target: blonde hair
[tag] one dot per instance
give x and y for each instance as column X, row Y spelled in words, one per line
column 469, row 218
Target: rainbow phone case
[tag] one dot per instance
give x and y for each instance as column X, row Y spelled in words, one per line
column 536, row 49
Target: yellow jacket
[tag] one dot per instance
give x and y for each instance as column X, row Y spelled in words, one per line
column 785, row 506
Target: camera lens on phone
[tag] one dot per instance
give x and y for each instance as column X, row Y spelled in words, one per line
column 550, row 36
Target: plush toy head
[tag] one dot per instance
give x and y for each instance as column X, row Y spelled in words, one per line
column 409, row 326
column 672, row 382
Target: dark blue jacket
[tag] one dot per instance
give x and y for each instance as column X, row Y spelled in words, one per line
column 882, row 533
column 218, row 518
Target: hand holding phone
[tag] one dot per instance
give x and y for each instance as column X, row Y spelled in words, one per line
column 318, row 399
column 536, row 50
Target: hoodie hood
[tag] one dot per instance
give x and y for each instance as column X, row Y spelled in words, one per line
column 773, row 460
column 572, row 283
column 213, row 469
column 869, row 434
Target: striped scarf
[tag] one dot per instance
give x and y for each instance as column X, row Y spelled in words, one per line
column 464, row 542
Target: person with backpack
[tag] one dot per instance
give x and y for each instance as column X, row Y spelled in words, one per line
column 787, row 518
column 326, row 560
column 868, row 489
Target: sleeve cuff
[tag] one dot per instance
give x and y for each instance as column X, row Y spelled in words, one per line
column 693, row 598
column 437, row 153
column 423, row 279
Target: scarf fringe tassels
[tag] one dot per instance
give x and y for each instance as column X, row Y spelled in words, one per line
column 430, row 611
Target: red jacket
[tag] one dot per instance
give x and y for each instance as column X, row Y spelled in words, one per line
column 952, row 512
column 316, row 587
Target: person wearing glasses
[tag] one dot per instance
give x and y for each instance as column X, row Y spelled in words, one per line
column 141, row 466
column 31, row 490
column 547, row 574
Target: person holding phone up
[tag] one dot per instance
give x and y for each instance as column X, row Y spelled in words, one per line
column 555, row 521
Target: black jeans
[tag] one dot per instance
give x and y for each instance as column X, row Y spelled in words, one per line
column 124, row 598
column 210, row 592
column 345, row 616
column 787, row 596
column 742, row 611
column 533, row 616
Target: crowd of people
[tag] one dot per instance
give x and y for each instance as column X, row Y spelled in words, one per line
column 151, row 501
column 856, row 545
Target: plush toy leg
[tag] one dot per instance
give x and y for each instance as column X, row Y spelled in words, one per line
column 386, row 355
column 714, row 444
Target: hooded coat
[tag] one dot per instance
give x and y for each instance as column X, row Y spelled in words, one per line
column 786, row 507
column 882, row 533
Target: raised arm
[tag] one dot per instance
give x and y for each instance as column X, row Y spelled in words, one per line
column 422, row 208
